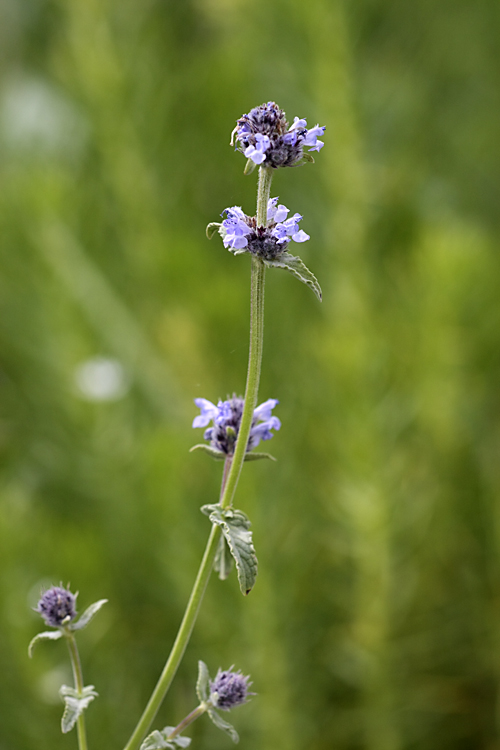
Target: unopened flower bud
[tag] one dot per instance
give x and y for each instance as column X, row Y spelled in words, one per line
column 229, row 689
column 57, row 606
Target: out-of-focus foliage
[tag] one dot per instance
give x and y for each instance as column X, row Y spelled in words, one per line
column 375, row 620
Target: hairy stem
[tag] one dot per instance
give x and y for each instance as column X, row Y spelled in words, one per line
column 232, row 471
column 78, row 677
column 256, row 344
column 199, row 711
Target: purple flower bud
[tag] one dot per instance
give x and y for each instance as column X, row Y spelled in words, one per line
column 226, row 418
column 229, row 689
column 264, row 136
column 57, row 606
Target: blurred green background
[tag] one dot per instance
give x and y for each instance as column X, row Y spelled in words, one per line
column 375, row 621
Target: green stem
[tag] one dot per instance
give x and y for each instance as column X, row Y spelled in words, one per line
column 256, row 344
column 180, row 642
column 78, row 677
column 230, row 480
column 199, row 711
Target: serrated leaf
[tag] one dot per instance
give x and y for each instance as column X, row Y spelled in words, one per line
column 223, row 724
column 218, row 455
column 75, row 704
column 203, row 682
column 212, row 228
column 296, row 267
column 257, row 456
column 159, row 740
column 49, row 635
column 249, row 167
column 87, row 616
column 235, row 526
column 223, row 562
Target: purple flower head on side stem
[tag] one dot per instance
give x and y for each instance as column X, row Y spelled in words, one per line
column 264, row 136
column 57, row 606
column 226, row 419
column 229, row 689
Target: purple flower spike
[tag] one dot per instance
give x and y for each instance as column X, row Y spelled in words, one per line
column 264, row 136
column 226, row 419
column 229, row 689
column 57, row 606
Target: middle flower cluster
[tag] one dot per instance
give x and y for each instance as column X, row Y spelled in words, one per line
column 241, row 234
column 226, row 419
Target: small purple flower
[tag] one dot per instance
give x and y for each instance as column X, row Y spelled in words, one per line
column 241, row 234
column 235, row 229
column 264, row 136
column 57, row 606
column 226, row 419
column 229, row 689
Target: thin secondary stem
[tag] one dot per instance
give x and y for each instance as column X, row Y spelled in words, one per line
column 199, row 711
column 78, row 677
column 232, row 470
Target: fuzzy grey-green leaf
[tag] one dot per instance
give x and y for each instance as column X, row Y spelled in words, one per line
column 223, row 559
column 202, row 683
column 75, row 704
column 258, row 456
column 249, row 167
column 88, row 615
column 220, row 723
column 297, row 267
column 49, row 635
column 218, row 455
column 212, row 228
column 159, row 740
column 235, row 526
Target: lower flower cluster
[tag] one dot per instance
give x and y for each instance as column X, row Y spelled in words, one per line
column 241, row 234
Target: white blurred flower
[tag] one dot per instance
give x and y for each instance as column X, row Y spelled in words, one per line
column 102, row 379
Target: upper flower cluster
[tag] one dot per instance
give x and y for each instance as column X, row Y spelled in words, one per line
column 240, row 232
column 57, row 606
column 264, row 135
column 226, row 418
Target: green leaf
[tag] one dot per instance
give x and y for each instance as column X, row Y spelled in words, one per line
column 75, row 704
column 87, row 616
column 307, row 157
column 212, row 228
column 49, row 635
column 202, row 683
column 223, row 559
column 218, row 455
column 235, row 526
column 159, row 740
column 257, row 456
column 249, row 167
column 224, row 725
column 295, row 266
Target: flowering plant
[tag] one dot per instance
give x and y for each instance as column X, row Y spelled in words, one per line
column 233, row 428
